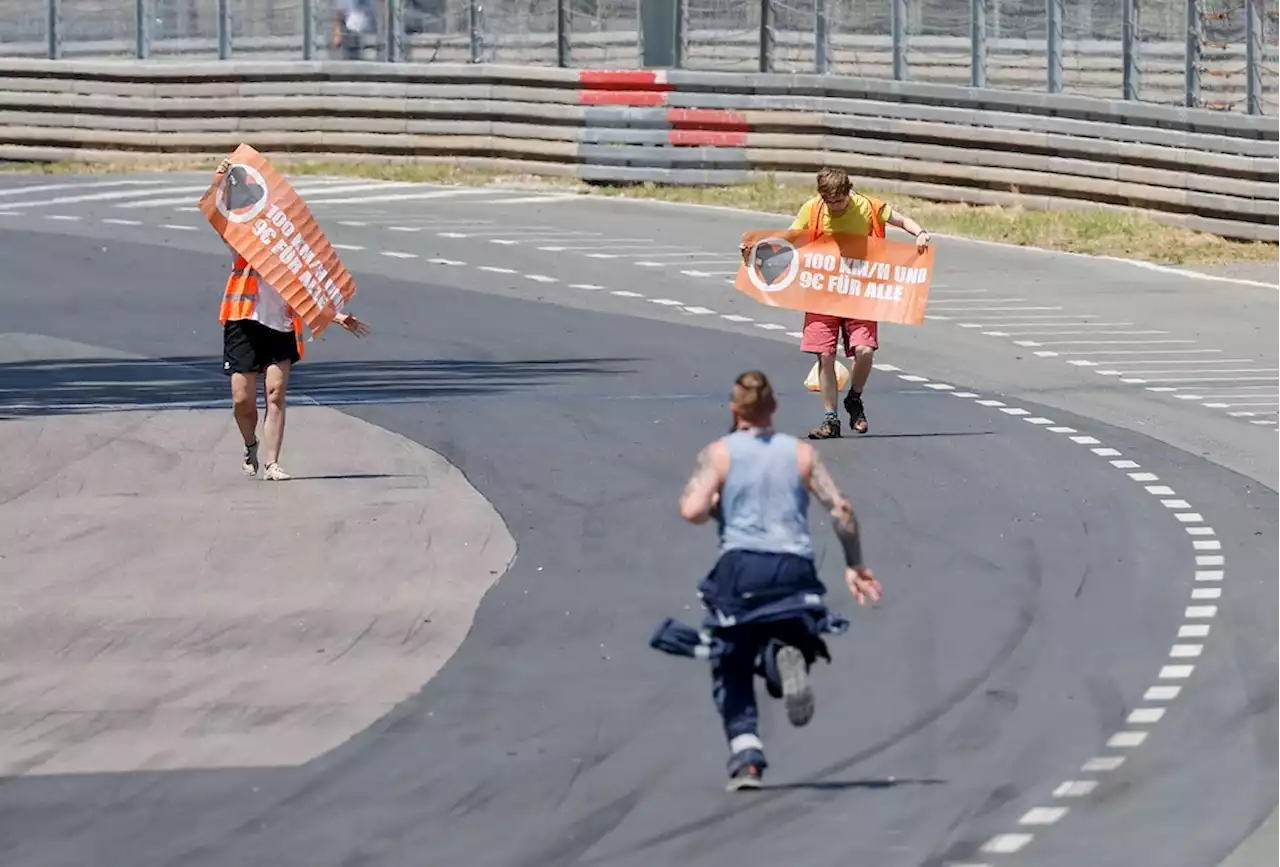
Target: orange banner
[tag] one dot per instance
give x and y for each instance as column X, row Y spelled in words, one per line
column 255, row 210
column 854, row 276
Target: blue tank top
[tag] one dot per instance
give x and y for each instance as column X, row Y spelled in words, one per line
column 764, row 504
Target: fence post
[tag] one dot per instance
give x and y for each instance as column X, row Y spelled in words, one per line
column 142, row 29
column 55, row 29
column 820, row 39
column 1053, row 45
column 395, row 27
column 1253, row 56
column 475, row 12
column 1195, row 40
column 1132, row 36
column 682, row 30
column 766, row 35
column 978, row 43
column 562, row 33
column 308, row 29
column 224, row 29
column 899, row 40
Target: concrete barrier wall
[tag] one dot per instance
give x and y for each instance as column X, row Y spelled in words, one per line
column 1204, row 170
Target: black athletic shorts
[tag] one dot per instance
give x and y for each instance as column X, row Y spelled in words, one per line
column 249, row 347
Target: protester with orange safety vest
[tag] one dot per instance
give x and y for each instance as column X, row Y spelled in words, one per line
column 262, row 334
column 837, row 210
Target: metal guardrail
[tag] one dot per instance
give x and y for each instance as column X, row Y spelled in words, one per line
column 1209, row 171
column 1219, row 54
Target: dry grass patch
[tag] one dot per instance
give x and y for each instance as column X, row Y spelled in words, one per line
column 1096, row 232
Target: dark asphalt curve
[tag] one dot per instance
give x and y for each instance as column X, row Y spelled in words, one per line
column 1030, row 589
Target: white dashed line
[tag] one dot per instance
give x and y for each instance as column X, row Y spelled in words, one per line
column 496, row 270
column 1006, row 844
column 175, row 227
column 1126, row 740
column 770, row 326
column 1042, row 815
column 1145, row 716
column 699, row 311
column 1085, row 440
column 396, row 254
column 441, row 261
column 68, row 218
column 1102, row 764
column 734, row 317
column 1075, row 789
column 541, row 278
column 590, row 287
column 118, row 222
column 1161, row 693
column 346, row 246
column 623, row 293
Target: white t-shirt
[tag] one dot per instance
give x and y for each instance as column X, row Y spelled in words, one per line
column 271, row 310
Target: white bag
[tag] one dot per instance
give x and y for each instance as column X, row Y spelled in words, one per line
column 842, row 377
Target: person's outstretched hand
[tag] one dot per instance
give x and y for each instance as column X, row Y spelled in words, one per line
column 862, row 584
column 352, row 324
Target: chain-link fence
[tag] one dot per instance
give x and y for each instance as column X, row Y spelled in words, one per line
column 1219, row 54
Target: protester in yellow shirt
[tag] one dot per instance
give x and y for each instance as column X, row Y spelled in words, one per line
column 840, row 211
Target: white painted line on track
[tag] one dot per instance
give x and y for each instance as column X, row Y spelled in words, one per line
column 392, row 197
column 113, row 195
column 1075, row 789
column 49, row 188
column 352, row 247
column 541, row 278
column 397, row 254
column 177, row 227
column 1102, row 764
column 1006, row 844
column 1042, row 815
column 118, row 222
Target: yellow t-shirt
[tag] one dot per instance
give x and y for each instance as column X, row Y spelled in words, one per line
column 856, row 219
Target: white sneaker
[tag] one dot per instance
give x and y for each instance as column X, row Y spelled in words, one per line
column 250, row 464
column 275, row 474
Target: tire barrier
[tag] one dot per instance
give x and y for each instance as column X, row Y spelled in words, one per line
column 1204, row 170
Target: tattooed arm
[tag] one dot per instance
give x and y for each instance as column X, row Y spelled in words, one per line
column 842, row 518
column 701, row 495
column 862, row 583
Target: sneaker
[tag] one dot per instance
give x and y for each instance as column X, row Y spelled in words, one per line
column 250, row 464
column 828, row 430
column 797, row 694
column 857, row 415
column 746, row 777
column 275, row 474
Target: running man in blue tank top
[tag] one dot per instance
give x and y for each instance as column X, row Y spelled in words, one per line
column 764, row 599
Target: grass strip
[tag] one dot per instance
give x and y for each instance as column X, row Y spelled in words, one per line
column 1096, row 232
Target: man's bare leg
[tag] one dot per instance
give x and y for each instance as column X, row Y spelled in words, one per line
column 827, row 381
column 863, row 357
column 273, row 427
column 244, row 406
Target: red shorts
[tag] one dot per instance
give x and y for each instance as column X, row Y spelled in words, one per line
column 822, row 333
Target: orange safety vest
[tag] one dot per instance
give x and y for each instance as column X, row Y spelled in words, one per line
column 240, row 299
column 817, row 205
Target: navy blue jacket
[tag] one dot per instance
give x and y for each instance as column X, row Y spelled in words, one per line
column 752, row 589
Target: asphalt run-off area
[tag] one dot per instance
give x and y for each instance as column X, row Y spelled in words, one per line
column 430, row 647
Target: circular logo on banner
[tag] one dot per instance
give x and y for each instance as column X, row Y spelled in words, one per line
column 242, row 194
column 773, row 264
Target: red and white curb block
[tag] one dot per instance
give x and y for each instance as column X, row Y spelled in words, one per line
column 1170, row 678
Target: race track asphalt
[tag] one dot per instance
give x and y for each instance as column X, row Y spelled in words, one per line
column 1033, row 590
